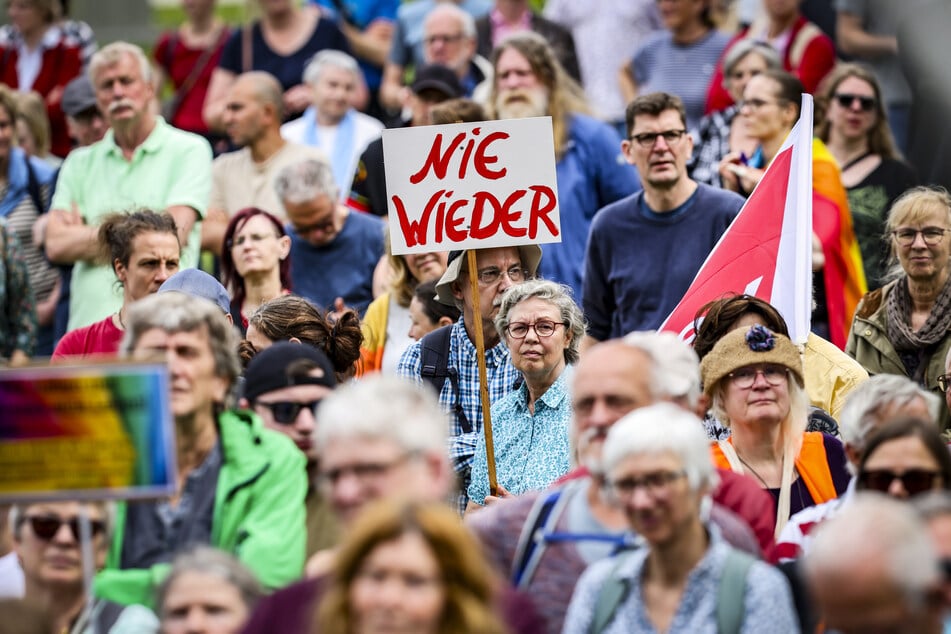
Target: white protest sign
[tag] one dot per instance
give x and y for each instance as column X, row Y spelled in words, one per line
column 471, row 185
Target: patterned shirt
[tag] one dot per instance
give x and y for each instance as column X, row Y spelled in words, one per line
column 502, row 378
column 712, row 143
column 531, row 450
column 18, row 319
column 768, row 605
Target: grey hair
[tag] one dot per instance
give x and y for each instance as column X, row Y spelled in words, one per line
column 216, row 563
column 112, row 53
column 663, row 428
column 744, row 47
column 17, row 515
column 466, row 21
column 889, row 530
column 676, row 369
column 178, row 312
column 384, row 407
column 555, row 294
column 304, row 181
column 932, row 505
column 329, row 58
column 864, row 405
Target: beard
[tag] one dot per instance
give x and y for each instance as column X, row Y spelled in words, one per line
column 521, row 103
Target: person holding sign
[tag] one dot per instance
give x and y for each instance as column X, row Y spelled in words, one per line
column 241, row 486
column 497, row 270
column 542, row 327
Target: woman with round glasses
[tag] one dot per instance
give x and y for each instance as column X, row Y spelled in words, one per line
column 905, row 326
column 769, row 110
column 755, row 382
column 543, row 328
column 905, row 458
column 855, row 129
column 659, row 473
column 255, row 266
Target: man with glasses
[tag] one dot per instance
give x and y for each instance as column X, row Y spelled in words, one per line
column 284, row 384
column 333, row 251
column 46, row 540
column 497, row 270
column 644, row 250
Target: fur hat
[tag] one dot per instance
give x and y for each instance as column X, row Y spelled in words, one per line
column 742, row 347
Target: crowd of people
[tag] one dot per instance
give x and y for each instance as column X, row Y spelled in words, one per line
column 219, row 204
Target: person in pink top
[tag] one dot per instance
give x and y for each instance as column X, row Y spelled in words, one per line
column 144, row 250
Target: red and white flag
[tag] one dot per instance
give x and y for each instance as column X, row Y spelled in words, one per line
column 767, row 250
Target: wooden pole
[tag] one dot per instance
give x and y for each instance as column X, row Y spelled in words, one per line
column 483, row 380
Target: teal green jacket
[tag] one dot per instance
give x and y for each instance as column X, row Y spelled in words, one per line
column 258, row 517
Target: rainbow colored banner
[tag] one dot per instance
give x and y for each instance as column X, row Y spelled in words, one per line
column 101, row 431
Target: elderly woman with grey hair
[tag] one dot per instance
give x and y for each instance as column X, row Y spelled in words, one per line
column 543, row 328
column 207, row 590
column 686, row 578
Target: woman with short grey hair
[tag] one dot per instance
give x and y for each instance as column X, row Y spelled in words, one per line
column 542, row 327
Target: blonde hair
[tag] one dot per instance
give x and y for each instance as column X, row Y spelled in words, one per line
column 468, row 583
column 32, row 111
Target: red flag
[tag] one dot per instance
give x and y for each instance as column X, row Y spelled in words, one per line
column 767, row 251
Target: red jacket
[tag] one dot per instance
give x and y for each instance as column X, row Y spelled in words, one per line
column 61, row 63
column 810, row 55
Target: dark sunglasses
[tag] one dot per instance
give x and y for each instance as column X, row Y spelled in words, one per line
column 915, row 481
column 286, row 412
column 46, row 526
column 846, row 100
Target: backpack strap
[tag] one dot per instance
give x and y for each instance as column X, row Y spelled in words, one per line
column 541, row 518
column 732, row 591
column 33, row 189
column 611, row 596
column 434, row 369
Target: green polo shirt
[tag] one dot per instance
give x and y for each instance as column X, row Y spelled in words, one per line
column 170, row 168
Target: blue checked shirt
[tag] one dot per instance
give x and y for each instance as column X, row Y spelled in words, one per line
column 502, row 379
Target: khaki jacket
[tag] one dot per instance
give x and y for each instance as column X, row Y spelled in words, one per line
column 869, row 345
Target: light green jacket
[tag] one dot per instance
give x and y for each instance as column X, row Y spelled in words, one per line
column 259, row 513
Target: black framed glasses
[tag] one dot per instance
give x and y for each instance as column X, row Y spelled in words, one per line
column 844, row 99
column 654, row 484
column 914, row 481
column 444, row 39
column 46, row 526
column 542, row 328
column 492, row 274
column 745, row 377
column 286, row 412
column 943, row 382
column 906, row 236
column 647, row 139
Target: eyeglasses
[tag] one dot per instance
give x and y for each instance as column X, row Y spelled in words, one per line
column 445, row 39
column 655, row 484
column 46, row 526
column 756, row 104
column 745, row 377
column 866, row 104
column 542, row 328
column 364, row 472
column 931, row 235
column 648, row 139
column 915, row 481
column 327, row 226
column 255, row 238
column 943, row 382
column 493, row 274
column 286, row 412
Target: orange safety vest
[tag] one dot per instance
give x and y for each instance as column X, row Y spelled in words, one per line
column 812, row 465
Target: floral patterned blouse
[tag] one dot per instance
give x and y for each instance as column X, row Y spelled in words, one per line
column 18, row 321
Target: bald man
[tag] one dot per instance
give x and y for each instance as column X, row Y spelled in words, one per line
column 245, row 178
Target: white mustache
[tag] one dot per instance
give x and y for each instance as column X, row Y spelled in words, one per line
column 120, row 104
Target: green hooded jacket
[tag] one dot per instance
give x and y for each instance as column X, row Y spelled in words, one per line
column 258, row 516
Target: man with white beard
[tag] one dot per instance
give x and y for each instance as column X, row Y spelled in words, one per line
column 529, row 82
